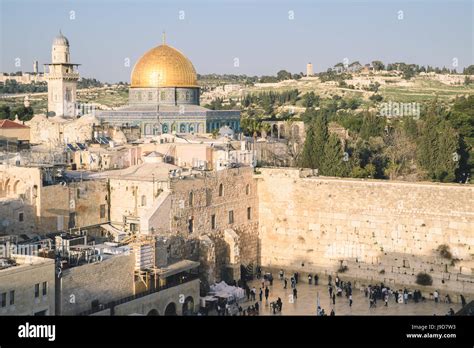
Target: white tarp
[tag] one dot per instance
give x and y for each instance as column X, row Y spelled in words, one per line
column 223, row 290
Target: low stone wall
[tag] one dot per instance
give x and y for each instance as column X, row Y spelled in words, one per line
column 158, row 301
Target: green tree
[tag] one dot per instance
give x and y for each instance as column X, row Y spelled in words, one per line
column 308, row 155
column 333, row 163
column 378, row 65
column 321, row 135
column 283, row 75
column 438, row 147
column 5, row 112
column 372, row 125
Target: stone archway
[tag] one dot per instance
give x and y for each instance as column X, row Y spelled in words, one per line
column 153, row 312
column 188, row 306
column 171, row 309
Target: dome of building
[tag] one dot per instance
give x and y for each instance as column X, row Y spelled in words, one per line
column 60, row 40
column 163, row 66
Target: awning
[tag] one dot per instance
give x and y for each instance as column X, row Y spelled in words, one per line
column 178, row 267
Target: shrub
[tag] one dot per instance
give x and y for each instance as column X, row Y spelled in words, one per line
column 343, row 269
column 424, row 279
column 444, row 251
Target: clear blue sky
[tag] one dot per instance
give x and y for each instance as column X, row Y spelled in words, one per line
column 259, row 33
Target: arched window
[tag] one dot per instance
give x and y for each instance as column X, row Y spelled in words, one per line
column 191, row 199
column 143, row 200
column 247, row 189
column 221, row 190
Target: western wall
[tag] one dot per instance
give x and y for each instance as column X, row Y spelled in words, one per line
column 369, row 230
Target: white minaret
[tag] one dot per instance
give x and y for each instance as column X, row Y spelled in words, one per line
column 62, row 79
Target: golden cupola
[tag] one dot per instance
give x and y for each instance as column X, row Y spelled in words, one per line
column 163, row 66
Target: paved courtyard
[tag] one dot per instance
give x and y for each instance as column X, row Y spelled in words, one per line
column 305, row 304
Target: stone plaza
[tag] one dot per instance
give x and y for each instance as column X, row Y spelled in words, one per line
column 306, row 302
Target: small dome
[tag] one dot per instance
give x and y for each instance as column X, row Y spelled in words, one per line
column 60, row 40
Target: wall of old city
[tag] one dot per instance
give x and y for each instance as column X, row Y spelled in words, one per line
column 380, row 230
column 105, row 281
column 239, row 193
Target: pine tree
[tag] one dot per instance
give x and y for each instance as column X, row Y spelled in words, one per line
column 307, row 156
column 448, row 158
column 333, row 163
column 372, row 125
column 321, row 138
column 428, row 143
column 438, row 148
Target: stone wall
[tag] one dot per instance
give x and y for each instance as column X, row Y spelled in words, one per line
column 239, row 192
column 158, row 301
column 22, row 279
column 380, row 230
column 106, row 281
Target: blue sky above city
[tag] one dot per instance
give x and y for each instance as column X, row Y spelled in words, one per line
column 265, row 36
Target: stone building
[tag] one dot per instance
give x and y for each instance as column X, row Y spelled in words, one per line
column 26, row 285
column 14, row 130
column 38, row 200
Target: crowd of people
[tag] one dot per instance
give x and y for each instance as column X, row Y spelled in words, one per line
column 337, row 289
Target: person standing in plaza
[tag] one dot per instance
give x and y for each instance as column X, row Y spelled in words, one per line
column 295, row 293
column 386, row 300
column 281, row 274
column 254, row 293
column 310, row 279
column 267, row 292
column 350, row 300
column 333, row 299
column 330, row 290
column 436, row 296
column 332, row 313
column 405, row 297
column 261, row 294
column 286, row 283
column 316, row 279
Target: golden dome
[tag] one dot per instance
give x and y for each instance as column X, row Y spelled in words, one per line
column 163, row 66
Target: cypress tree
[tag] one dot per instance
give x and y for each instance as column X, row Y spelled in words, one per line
column 333, row 164
column 321, row 139
column 307, row 155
